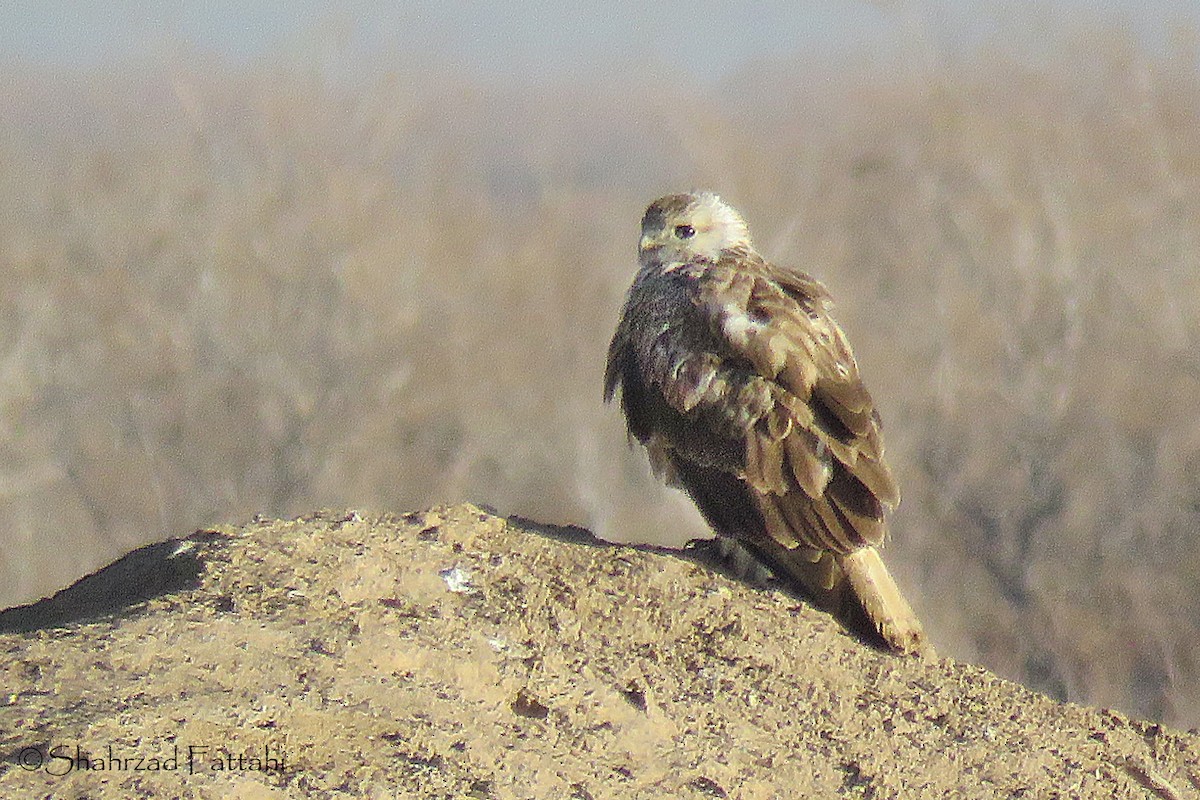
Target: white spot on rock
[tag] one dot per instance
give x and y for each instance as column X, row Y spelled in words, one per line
column 458, row 580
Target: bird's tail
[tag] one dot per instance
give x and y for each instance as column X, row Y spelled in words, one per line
column 856, row 588
column 882, row 602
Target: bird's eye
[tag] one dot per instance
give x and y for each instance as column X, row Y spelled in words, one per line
column 685, row 231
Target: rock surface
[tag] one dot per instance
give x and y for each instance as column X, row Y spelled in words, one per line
column 456, row 654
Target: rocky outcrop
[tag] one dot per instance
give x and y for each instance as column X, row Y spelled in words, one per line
column 453, row 653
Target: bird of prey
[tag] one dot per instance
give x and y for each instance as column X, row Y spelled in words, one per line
column 743, row 389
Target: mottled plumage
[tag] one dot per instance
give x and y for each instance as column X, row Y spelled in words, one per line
column 746, row 395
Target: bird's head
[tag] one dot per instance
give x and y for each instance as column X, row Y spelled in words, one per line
column 683, row 227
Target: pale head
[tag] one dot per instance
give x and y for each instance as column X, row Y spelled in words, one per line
column 684, row 227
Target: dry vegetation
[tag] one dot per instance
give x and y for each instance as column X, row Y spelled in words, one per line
column 270, row 289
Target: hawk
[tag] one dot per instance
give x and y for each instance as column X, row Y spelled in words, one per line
column 745, row 393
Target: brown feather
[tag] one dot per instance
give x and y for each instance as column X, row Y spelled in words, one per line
column 810, row 462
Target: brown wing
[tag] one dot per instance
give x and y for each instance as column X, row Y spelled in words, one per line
column 737, row 365
column 814, row 455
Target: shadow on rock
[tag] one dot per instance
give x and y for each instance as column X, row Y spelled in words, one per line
column 141, row 575
column 571, row 534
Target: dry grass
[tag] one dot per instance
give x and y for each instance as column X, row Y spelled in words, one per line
column 230, row 292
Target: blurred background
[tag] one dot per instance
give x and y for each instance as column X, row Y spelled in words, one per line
column 267, row 259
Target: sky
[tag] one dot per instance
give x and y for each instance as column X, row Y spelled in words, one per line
column 538, row 38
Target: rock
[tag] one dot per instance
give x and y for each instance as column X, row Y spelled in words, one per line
column 452, row 653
